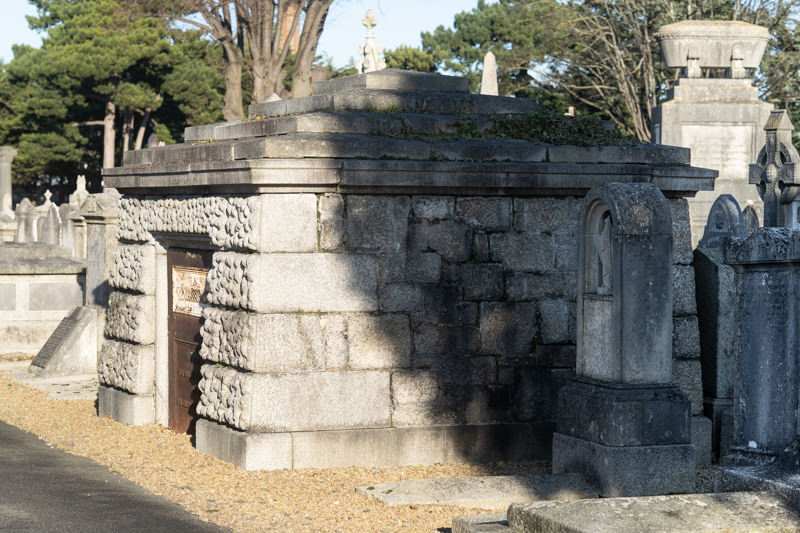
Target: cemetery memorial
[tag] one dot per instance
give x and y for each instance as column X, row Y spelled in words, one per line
column 350, row 278
column 713, row 108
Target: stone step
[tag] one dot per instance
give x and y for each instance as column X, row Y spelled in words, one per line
column 372, row 147
column 389, row 124
column 397, row 102
column 731, row 512
column 484, row 492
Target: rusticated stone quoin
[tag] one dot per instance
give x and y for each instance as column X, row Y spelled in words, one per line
column 126, row 366
column 132, row 268
column 130, row 317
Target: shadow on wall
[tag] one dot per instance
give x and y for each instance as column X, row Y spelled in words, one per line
column 471, row 308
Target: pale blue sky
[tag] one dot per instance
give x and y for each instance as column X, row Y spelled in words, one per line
column 399, row 22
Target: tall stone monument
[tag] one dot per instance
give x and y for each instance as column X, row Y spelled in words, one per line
column 767, row 264
column 621, row 422
column 714, row 108
column 7, row 225
column 716, row 306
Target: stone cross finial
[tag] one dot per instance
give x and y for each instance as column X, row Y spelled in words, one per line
column 370, row 54
column 776, row 174
column 369, row 22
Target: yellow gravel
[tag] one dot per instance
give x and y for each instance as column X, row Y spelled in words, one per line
column 166, row 464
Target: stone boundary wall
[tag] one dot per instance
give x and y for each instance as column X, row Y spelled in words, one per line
column 398, row 310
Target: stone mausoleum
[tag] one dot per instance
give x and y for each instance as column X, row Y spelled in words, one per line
column 343, row 280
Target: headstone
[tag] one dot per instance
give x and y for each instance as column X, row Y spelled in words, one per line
column 67, row 237
column 767, row 349
column 370, row 54
column 489, row 77
column 51, row 227
column 621, row 422
column 77, row 198
column 751, row 222
column 776, row 173
column 716, row 304
column 274, row 98
column 70, row 349
column 26, row 228
column 7, row 154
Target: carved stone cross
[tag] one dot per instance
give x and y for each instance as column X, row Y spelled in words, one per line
column 369, row 21
column 776, row 174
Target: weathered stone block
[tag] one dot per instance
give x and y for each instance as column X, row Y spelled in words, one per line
column 334, row 335
column 482, row 281
column 131, row 317
column 379, row 341
column 442, row 305
column 547, row 215
column 488, row 214
column 683, row 291
column 400, row 297
column 414, row 386
column 412, row 267
column 377, row 223
column 288, row 222
column 133, row 268
column 452, row 240
column 686, row 375
column 627, row 470
column 295, row 402
column 555, row 321
column 294, row 282
column 125, row 366
column 536, row 396
column 507, row 328
column 681, row 231
column 530, row 252
column 525, row 286
column 131, row 409
column 331, row 222
column 685, row 337
column 263, row 342
column 433, row 207
column 452, row 340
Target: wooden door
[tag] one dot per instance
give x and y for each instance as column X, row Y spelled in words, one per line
column 187, row 279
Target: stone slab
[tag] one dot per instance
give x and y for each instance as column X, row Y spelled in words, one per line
column 54, row 295
column 75, row 387
column 71, row 348
column 627, row 470
column 394, row 80
column 131, row 409
column 46, row 265
column 483, row 523
column 482, row 492
column 768, row 477
column 695, row 513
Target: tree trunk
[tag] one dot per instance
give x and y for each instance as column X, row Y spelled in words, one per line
column 314, row 23
column 109, row 134
column 233, row 108
column 142, row 128
column 127, row 129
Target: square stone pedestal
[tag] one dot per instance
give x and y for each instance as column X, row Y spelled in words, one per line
column 628, row 440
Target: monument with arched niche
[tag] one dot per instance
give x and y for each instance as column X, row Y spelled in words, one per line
column 621, row 421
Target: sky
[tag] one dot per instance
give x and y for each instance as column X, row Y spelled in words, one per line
column 399, row 22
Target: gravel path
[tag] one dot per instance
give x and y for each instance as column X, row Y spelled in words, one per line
column 167, row 465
